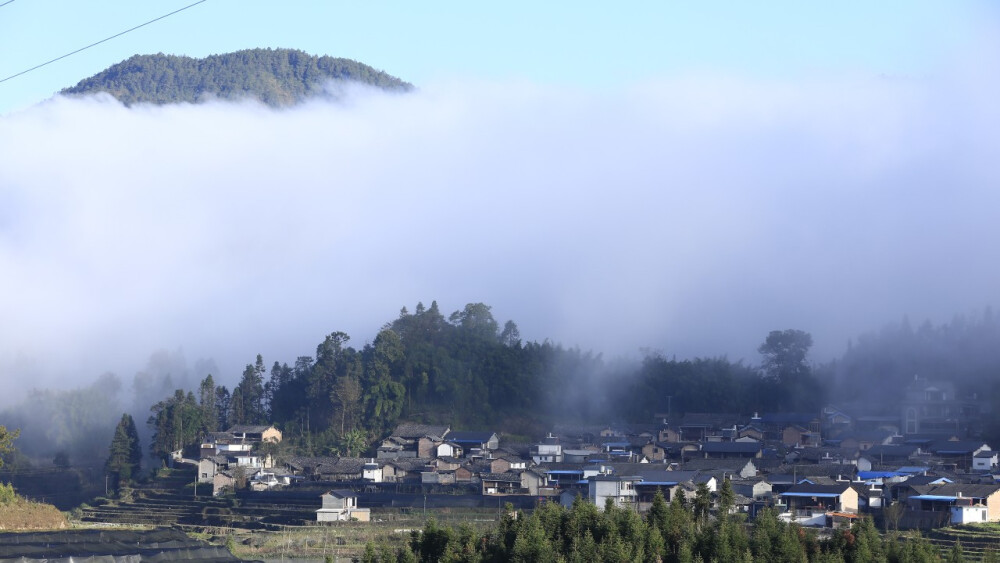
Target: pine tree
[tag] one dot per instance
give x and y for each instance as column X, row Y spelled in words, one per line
column 125, row 457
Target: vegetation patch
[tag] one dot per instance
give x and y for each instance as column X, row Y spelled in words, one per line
column 17, row 513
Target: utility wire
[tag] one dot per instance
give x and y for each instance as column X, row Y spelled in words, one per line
column 99, row 42
column 5, row 3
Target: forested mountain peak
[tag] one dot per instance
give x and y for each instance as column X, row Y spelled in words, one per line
column 276, row 77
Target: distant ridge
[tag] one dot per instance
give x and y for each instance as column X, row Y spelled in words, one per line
column 276, row 77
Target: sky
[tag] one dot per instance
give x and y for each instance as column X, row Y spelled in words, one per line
column 676, row 177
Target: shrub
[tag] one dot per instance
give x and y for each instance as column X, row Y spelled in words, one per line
column 7, row 494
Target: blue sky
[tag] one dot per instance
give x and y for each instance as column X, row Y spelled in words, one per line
column 588, row 44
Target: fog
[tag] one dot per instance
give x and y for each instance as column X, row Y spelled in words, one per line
column 689, row 216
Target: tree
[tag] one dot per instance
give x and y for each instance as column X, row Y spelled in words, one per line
column 702, row 503
column 207, row 402
column 784, row 363
column 727, row 498
column 125, row 457
column 251, row 408
column 477, row 320
column 511, row 336
column 784, row 353
column 176, row 423
column 7, row 438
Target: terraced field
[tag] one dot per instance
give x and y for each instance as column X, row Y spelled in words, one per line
column 980, row 542
column 170, row 500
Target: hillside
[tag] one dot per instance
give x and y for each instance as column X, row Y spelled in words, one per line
column 276, row 77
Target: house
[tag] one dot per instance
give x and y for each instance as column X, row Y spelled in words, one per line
column 307, row 467
column 505, row 464
column 340, row 469
column 549, row 451
column 808, row 504
column 697, row 427
column 834, row 418
column 960, row 452
column 618, row 449
column 726, row 450
column 577, row 456
column 796, row 436
column 413, row 440
column 620, row 490
column 655, row 451
column 536, row 483
column 934, row 406
column 242, row 462
column 222, row 481
column 404, row 470
column 739, row 468
column 755, row 489
column 475, row 441
column 863, row 440
column 501, row 484
column 255, row 433
column 913, row 486
column 470, row 471
column 984, row 461
column 774, row 424
column 437, row 476
column 752, row 431
column 449, row 449
column 886, row 454
column 341, row 505
column 371, row 472
column 944, row 497
column 668, row 435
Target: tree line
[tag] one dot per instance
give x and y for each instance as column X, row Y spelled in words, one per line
column 681, row 531
column 469, row 371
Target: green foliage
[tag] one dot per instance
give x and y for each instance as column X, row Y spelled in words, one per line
column 7, row 438
column 7, row 494
column 177, row 422
column 276, row 77
column 125, row 457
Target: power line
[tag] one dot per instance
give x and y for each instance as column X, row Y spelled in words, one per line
column 98, row 42
column 5, row 3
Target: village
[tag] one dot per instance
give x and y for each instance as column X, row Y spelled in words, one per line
column 916, row 470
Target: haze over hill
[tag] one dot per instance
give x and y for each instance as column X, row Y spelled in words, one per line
column 277, row 77
column 690, row 215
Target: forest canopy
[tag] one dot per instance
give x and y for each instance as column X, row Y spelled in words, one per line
column 276, row 77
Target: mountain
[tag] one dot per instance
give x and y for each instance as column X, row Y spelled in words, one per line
column 276, row 77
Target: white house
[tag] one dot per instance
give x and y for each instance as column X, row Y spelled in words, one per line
column 620, row 489
column 371, row 472
column 985, row 460
column 341, row 505
column 549, row 451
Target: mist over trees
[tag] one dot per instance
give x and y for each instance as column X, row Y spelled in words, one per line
column 470, row 371
column 276, row 77
column 965, row 351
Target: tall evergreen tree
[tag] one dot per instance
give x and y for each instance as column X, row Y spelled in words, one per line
column 125, row 457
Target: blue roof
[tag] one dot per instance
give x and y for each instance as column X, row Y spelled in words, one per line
column 935, row 497
column 880, row 474
column 807, row 494
column 565, row 471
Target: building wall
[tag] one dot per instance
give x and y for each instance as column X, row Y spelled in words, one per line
column 849, row 500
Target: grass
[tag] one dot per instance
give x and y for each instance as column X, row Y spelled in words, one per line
column 346, row 539
column 19, row 514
